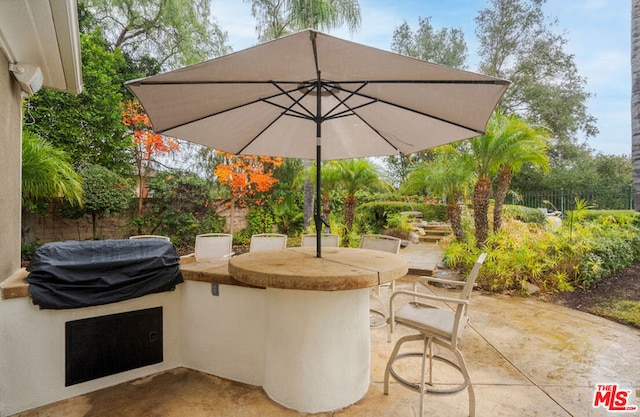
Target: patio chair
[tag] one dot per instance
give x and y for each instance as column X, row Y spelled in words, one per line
column 327, row 240
column 387, row 244
column 212, row 246
column 384, row 243
column 436, row 325
column 267, row 241
column 150, row 237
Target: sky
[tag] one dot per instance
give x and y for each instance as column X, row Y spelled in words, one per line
column 598, row 34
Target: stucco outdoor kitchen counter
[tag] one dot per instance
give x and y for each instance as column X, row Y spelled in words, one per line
column 298, row 268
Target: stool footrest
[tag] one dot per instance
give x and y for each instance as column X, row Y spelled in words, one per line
column 428, row 389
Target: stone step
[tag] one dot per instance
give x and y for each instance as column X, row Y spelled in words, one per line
column 446, row 229
column 428, row 270
column 430, row 239
column 438, row 232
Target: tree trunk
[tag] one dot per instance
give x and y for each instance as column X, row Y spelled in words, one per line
column 635, row 101
column 308, row 198
column 326, row 205
column 349, row 212
column 95, row 229
column 504, row 179
column 232, row 214
column 481, row 194
column 454, row 214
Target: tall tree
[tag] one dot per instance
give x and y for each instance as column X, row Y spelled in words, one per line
column 518, row 43
column 276, row 18
column 635, row 101
column 88, row 126
column 445, row 46
column 174, row 32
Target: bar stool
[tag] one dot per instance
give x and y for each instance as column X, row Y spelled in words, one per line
column 435, row 325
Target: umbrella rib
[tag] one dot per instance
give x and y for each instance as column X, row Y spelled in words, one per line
column 341, row 102
column 260, row 133
column 378, row 100
column 204, row 82
column 286, row 112
column 353, row 111
column 263, row 99
column 290, row 109
column 464, row 82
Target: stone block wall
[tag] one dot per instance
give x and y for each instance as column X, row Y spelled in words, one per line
column 53, row 227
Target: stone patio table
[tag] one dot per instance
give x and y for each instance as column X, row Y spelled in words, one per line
column 317, row 355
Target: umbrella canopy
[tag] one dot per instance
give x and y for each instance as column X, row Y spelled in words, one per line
column 314, row 96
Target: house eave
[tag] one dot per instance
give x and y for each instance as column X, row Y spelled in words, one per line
column 44, row 33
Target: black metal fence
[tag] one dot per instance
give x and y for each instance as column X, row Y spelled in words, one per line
column 611, row 198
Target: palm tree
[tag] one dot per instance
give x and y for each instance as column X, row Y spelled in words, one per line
column 507, row 144
column 521, row 143
column 485, row 164
column 330, row 180
column 635, row 100
column 47, row 173
column 449, row 175
column 276, row 18
column 353, row 175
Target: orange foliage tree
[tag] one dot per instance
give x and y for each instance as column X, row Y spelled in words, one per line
column 146, row 144
column 246, row 175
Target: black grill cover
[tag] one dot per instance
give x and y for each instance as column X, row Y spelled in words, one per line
column 79, row 274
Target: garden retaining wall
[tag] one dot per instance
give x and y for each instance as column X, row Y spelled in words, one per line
column 53, row 227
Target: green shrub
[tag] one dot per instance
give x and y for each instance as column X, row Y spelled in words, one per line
column 243, row 237
column 372, row 217
column 618, row 216
column 27, row 251
column 553, row 260
column 260, row 219
column 180, row 207
column 525, row 214
column 612, row 247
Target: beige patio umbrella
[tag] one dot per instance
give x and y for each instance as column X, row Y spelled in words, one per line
column 314, row 96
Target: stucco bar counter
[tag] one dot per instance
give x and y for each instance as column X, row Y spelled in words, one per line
column 317, row 350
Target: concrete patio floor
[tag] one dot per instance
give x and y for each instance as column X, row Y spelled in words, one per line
column 526, row 358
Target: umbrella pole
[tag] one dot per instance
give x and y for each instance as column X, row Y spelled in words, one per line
column 318, row 218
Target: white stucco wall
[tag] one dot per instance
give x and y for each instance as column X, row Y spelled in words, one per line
column 10, row 169
column 310, row 348
column 225, row 334
column 32, row 349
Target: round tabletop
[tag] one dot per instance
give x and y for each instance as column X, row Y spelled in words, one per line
column 298, row 268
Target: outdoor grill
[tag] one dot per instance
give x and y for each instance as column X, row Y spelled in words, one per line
column 76, row 274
